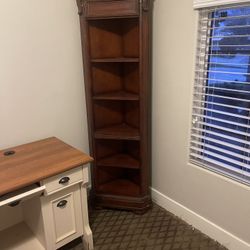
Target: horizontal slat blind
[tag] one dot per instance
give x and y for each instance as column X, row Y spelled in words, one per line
column 220, row 135
column 198, row 4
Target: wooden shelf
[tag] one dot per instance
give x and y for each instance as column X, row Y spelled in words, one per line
column 120, row 161
column 122, row 187
column 118, row 89
column 119, row 95
column 118, row 132
column 112, row 60
column 111, row 18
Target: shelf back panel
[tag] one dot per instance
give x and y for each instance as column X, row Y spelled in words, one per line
column 114, row 38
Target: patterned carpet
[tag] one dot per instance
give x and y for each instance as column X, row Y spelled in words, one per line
column 155, row 230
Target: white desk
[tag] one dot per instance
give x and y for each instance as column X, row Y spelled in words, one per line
column 48, row 213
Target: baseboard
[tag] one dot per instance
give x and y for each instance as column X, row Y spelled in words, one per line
column 217, row 233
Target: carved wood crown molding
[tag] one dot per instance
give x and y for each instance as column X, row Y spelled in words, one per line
column 80, row 5
column 145, row 5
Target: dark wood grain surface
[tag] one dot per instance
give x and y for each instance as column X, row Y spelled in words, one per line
column 116, row 45
column 102, row 9
column 36, row 161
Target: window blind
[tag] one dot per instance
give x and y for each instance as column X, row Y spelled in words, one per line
column 220, row 134
column 212, row 3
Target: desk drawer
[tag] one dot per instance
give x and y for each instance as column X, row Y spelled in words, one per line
column 63, row 180
column 99, row 9
column 15, row 198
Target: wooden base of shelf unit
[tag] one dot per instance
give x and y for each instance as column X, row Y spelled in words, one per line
column 121, row 187
column 138, row 205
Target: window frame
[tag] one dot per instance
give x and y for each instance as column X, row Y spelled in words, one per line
column 203, row 84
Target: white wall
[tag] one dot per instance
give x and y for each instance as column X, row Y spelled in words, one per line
column 41, row 82
column 223, row 202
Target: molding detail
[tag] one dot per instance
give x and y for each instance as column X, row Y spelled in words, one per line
column 214, row 231
column 146, row 5
column 80, row 5
column 198, row 4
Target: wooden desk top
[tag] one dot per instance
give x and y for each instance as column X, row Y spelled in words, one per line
column 36, row 161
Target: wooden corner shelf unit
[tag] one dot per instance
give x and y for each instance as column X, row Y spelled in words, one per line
column 116, row 54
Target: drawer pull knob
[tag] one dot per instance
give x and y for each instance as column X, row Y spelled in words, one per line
column 9, row 153
column 62, row 203
column 15, row 203
column 64, row 180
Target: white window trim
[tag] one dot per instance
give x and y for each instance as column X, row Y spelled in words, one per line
column 198, row 4
column 212, row 168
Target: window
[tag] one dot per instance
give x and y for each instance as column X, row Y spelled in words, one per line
column 221, row 105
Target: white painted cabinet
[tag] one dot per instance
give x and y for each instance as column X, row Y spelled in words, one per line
column 62, row 216
column 50, row 220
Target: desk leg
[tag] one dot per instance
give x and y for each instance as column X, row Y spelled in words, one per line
column 87, row 237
